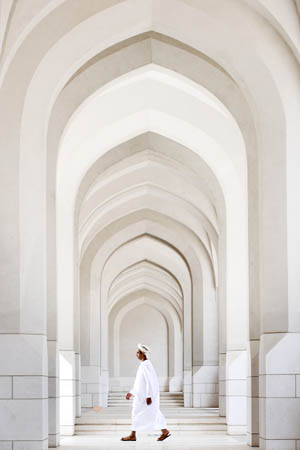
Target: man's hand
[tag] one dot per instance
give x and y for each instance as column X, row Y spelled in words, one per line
column 148, row 401
column 128, row 396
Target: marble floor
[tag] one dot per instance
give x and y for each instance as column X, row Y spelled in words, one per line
column 179, row 440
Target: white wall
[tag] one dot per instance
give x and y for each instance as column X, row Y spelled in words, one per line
column 145, row 325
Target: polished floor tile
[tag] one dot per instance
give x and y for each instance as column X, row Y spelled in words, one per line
column 178, row 440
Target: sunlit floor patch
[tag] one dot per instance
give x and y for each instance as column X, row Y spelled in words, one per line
column 179, row 439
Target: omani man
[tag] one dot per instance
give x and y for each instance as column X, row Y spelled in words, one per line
column 146, row 414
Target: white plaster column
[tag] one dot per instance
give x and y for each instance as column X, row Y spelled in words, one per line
column 67, row 369
column 222, row 384
column 187, row 388
column 253, row 394
column 77, row 320
column 279, row 354
column 53, row 394
column 234, row 293
column 236, row 391
column 104, row 386
column 90, row 386
column 53, row 353
column 77, row 385
column 205, row 386
column 279, row 389
column 23, row 391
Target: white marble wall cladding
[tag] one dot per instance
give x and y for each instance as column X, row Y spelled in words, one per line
column 222, row 384
column 23, row 354
column 91, row 386
column 279, row 401
column 236, row 391
column 6, row 387
column 67, row 370
column 205, row 386
column 53, row 394
column 6, row 445
column 78, row 384
column 188, row 388
column 24, row 389
column 24, row 419
column 253, row 394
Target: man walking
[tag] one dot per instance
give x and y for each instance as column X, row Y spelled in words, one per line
column 146, row 414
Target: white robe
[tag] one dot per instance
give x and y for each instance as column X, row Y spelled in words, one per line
column 146, row 417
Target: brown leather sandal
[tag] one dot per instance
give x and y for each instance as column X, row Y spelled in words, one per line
column 163, row 437
column 128, row 438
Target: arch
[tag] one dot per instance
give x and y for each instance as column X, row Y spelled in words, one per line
column 278, row 168
column 175, row 334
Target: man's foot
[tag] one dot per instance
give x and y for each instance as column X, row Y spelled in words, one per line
column 131, row 437
column 164, row 435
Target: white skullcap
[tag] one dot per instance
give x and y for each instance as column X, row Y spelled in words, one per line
column 144, row 349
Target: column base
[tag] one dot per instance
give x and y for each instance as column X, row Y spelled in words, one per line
column 280, row 444
column 24, row 389
column 24, row 445
column 187, row 389
column 236, row 391
column 53, row 394
column 253, row 439
column 253, row 394
column 53, row 440
column 222, row 384
column 67, row 392
column 77, row 385
column 92, row 392
column 279, row 390
column 205, row 386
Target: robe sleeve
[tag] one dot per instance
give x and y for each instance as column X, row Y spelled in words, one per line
column 148, row 384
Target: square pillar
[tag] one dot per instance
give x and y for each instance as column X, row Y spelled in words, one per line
column 77, row 385
column 24, row 391
column 236, row 392
column 205, row 386
column 53, row 394
column 222, row 384
column 253, row 394
column 90, row 386
column 187, row 388
column 67, row 392
column 279, row 387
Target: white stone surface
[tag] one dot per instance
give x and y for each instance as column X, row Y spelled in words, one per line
column 22, row 354
column 6, row 445
column 297, row 385
column 282, row 418
column 24, row 419
column 205, row 374
column 282, row 444
column 90, row 374
column 5, row 387
column 30, row 387
column 236, row 387
column 33, row 445
column 53, row 387
column 179, row 439
column 280, row 354
column 277, row 385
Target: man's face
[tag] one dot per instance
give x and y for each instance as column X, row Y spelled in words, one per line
column 139, row 355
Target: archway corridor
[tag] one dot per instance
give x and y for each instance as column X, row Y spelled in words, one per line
column 150, row 177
